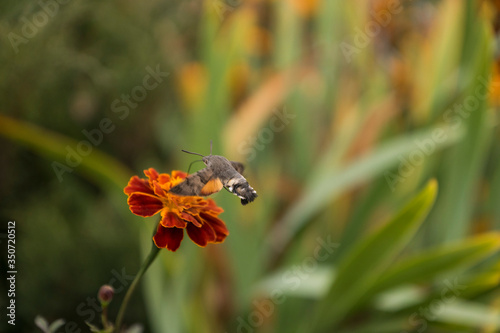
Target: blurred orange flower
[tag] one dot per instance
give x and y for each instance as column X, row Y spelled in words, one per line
column 147, row 197
column 305, row 8
column 192, row 84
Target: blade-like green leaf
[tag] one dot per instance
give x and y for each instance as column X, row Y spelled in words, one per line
column 421, row 267
column 437, row 261
column 386, row 325
column 463, row 164
column 332, row 183
column 360, row 269
column 97, row 165
column 314, row 285
column 470, row 314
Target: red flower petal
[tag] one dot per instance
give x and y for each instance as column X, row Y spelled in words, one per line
column 147, row 197
column 178, row 174
column 163, row 178
column 137, row 184
column 169, row 238
column 171, row 220
column 158, row 190
column 144, row 204
column 202, row 235
column 213, row 207
column 190, row 218
column 218, row 225
column 152, row 174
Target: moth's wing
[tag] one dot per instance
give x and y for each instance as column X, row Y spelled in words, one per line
column 201, row 183
column 214, row 185
column 238, row 166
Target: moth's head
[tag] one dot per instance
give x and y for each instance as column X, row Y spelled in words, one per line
column 206, row 159
column 212, row 160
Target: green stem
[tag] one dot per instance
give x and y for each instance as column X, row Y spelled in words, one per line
column 104, row 316
column 145, row 265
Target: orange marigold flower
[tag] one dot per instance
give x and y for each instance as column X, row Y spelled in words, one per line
column 147, row 197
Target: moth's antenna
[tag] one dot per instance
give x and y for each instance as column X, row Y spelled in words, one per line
column 191, row 164
column 210, row 147
column 189, row 152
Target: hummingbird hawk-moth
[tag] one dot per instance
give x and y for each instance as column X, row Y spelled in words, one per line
column 219, row 173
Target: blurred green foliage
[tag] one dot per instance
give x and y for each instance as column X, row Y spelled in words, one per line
column 348, row 114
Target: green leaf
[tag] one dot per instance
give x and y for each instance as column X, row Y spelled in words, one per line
column 98, row 166
column 470, row 314
column 386, row 325
column 325, row 187
column 313, row 286
column 361, row 268
column 486, row 279
column 92, row 327
column 437, row 261
column 421, row 267
column 463, row 165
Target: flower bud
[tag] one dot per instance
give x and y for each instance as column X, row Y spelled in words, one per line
column 105, row 294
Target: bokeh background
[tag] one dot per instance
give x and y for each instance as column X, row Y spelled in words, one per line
column 346, row 113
